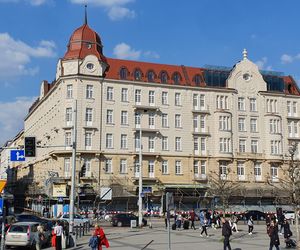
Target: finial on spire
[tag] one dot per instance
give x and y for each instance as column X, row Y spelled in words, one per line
column 245, row 54
column 85, row 14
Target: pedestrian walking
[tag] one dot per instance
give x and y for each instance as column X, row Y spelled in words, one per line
column 234, row 223
column 204, row 227
column 94, row 241
column 39, row 237
column 192, row 216
column 287, row 233
column 101, row 237
column 226, row 233
column 273, row 234
column 58, row 230
column 250, row 225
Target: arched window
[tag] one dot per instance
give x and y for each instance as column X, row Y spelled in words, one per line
column 150, row 76
column 164, row 77
column 176, row 78
column 123, row 73
column 197, row 80
column 137, row 75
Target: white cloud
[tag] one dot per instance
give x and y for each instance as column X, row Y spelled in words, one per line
column 37, row 2
column 262, row 63
column 124, row 51
column 115, row 9
column 151, row 54
column 32, row 2
column 15, row 56
column 285, row 58
column 12, row 116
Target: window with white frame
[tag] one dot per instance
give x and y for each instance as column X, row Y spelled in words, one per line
column 151, row 120
column 223, row 170
column 202, row 102
column 177, row 99
column 257, row 172
column 124, row 144
column 177, row 121
column 151, row 97
column 254, row 146
column 293, row 129
column 195, row 123
column 124, row 95
column 164, row 98
column 271, row 106
column 178, row 167
column 137, row 120
column 275, row 147
column 196, row 168
column 200, row 168
column 294, row 108
column 241, row 104
column 136, row 168
column 68, row 139
column 89, row 91
column 151, row 168
column 222, row 102
column 224, row 123
column 164, row 167
column 253, row 125
column 241, row 171
column 225, row 145
column 151, row 143
column 124, row 118
column 165, row 143
column 274, row 125
column 164, row 120
column 195, row 102
column 177, row 143
column 290, row 128
column 69, row 91
column 196, row 145
column 137, row 96
column 89, row 116
column 109, row 116
column 137, row 142
column 109, row 141
column 123, row 166
column 87, row 168
column 242, row 125
column 202, row 145
column 108, row 166
column 242, row 145
column 202, row 123
column 203, row 168
column 88, row 140
column 67, row 167
column 110, row 94
column 253, row 107
column 69, row 112
column 274, row 172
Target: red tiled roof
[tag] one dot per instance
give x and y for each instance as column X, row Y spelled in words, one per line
column 290, row 86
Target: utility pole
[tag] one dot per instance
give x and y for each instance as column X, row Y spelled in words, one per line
column 73, row 177
column 140, row 177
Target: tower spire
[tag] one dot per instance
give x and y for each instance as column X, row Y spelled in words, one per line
column 85, row 14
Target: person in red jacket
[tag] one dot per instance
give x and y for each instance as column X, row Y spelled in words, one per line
column 102, row 238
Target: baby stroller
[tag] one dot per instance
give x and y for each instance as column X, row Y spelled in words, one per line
column 290, row 243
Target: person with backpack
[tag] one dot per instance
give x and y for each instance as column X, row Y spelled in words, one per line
column 204, row 227
column 273, row 234
column 250, row 225
column 226, row 232
column 101, row 237
column 94, row 241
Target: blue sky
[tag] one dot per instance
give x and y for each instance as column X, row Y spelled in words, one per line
column 35, row 33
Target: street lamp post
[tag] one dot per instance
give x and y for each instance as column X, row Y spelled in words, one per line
column 140, row 177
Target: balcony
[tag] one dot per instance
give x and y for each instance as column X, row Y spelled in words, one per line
column 145, row 108
column 147, row 130
column 201, row 110
column 200, row 177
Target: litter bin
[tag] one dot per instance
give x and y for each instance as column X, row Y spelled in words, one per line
column 133, row 223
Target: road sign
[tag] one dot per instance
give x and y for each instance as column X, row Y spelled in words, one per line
column 1, row 206
column 105, row 193
column 147, row 190
column 2, row 185
column 60, row 199
column 17, row 155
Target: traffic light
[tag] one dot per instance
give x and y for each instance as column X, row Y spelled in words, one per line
column 29, row 146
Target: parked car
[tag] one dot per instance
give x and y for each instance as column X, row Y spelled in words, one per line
column 123, row 220
column 78, row 219
column 23, row 234
column 289, row 215
column 256, row 215
column 28, row 217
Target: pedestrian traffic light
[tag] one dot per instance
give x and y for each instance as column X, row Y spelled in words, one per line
column 29, row 146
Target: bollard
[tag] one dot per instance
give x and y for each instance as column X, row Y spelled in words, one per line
column 86, row 227
column 83, row 232
column 76, row 232
column 79, row 230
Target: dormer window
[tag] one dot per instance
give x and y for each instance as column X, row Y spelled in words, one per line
column 123, row 73
column 150, row 76
column 197, row 80
column 137, row 75
column 164, row 77
column 176, row 78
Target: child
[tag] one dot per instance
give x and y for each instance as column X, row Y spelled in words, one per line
column 94, row 241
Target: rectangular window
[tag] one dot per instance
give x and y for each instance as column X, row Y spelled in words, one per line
column 254, row 146
column 89, row 91
column 110, row 94
column 164, row 98
column 223, row 170
column 137, row 96
column 202, row 102
column 294, row 108
column 195, row 102
column 69, row 112
column 274, row 172
column 196, row 145
column 87, row 170
column 257, row 172
column 225, row 145
column 137, row 142
column 177, row 121
column 68, row 139
column 164, row 120
column 137, row 120
column 271, row 106
column 109, row 141
column 123, row 166
column 242, row 126
column 241, row 171
column 164, row 167
column 88, row 140
column 109, row 116
column 177, row 143
column 202, row 123
column 242, row 146
column 177, row 99
column 165, row 144
column 124, row 118
column 151, row 143
column 67, row 167
column 274, row 126
column 203, row 168
column 224, row 123
column 151, row 168
column 152, row 120
column 151, row 98
column 289, row 108
column 178, row 167
column 253, row 105
column 203, row 145
column 275, row 147
column 241, row 104
column 108, row 166
column 69, row 91
column 222, row 102
column 124, row 141
column 124, row 95
column 89, row 116
column 253, row 125
column 196, row 168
